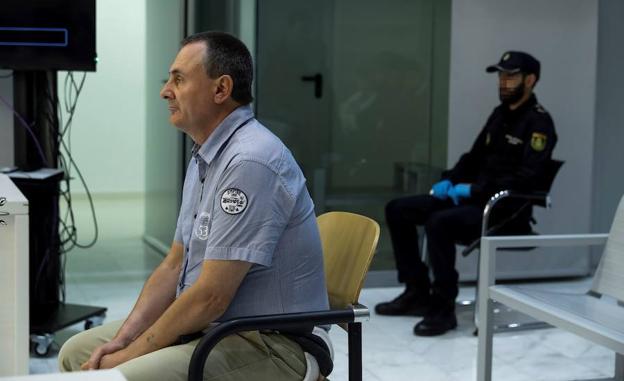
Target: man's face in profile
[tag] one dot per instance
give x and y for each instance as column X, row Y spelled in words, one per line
column 188, row 89
column 511, row 87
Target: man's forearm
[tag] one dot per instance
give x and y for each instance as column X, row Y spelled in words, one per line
column 157, row 295
column 190, row 313
column 205, row 301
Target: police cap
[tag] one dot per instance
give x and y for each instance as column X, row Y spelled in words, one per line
column 516, row 62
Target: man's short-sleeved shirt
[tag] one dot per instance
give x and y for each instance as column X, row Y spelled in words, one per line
column 245, row 199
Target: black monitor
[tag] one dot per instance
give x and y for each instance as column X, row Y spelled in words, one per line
column 47, row 35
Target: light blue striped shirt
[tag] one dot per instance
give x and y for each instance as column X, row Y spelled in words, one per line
column 245, row 199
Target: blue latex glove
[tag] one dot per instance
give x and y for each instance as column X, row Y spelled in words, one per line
column 458, row 192
column 440, row 189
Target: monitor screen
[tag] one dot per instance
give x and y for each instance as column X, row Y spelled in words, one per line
column 47, row 35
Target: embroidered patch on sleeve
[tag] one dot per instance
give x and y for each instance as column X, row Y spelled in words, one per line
column 538, row 141
column 233, row 201
column 203, row 226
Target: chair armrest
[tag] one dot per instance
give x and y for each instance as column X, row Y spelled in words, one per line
column 535, row 198
column 544, row 240
column 357, row 313
column 489, row 245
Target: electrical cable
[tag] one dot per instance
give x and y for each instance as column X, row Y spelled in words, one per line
column 60, row 131
column 71, row 101
column 28, row 128
column 64, row 228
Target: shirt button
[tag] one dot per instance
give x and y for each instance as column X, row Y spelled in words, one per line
column 202, row 180
column 195, row 216
column 187, row 249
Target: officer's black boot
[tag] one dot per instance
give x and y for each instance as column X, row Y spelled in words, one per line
column 413, row 301
column 439, row 319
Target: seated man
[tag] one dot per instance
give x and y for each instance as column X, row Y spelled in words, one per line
column 246, row 242
column 509, row 153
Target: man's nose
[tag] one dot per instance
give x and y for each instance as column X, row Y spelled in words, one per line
column 507, row 82
column 165, row 92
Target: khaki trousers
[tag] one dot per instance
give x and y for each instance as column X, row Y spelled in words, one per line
column 245, row 356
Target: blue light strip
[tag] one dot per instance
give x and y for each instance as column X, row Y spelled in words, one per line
column 11, row 43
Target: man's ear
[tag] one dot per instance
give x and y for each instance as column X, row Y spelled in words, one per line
column 223, row 86
column 530, row 80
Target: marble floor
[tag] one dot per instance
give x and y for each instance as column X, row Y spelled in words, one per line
column 112, row 273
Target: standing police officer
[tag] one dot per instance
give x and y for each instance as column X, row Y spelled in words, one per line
column 509, row 153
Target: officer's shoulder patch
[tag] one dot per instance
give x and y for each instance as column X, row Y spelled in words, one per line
column 539, row 108
column 233, row 201
column 538, row 141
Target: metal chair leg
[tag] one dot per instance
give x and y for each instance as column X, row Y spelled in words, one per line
column 619, row 367
column 498, row 313
column 486, row 328
column 355, row 351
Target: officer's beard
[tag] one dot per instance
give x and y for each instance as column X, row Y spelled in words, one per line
column 511, row 96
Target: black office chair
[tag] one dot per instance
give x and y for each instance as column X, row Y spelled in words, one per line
column 540, row 197
column 508, row 225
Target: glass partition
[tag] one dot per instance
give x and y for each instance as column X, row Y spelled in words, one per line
column 164, row 161
column 350, row 87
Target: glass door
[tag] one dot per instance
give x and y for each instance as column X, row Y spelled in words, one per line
column 293, row 82
column 348, row 85
column 164, row 166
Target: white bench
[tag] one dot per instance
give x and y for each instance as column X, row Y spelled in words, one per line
column 588, row 315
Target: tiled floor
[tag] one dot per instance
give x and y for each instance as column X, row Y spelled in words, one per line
column 112, row 274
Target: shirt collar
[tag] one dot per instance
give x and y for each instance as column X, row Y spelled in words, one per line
column 529, row 103
column 222, row 133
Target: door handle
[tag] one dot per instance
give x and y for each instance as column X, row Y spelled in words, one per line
column 318, row 83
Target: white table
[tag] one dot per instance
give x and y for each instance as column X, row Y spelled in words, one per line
column 14, row 296
column 93, row 375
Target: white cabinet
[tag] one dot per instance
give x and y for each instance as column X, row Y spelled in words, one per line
column 14, row 323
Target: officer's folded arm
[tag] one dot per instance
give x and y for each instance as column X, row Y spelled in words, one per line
column 205, row 301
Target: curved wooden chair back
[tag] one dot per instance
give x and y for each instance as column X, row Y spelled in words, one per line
column 349, row 243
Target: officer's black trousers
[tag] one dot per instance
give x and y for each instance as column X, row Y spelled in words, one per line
column 445, row 225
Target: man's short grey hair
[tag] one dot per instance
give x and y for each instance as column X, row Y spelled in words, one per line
column 227, row 55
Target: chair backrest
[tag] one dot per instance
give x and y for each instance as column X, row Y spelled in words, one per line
column 609, row 277
column 349, row 242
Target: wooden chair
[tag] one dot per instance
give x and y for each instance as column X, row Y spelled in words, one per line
column 349, row 242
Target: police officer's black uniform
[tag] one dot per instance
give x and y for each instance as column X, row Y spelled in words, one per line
column 510, row 152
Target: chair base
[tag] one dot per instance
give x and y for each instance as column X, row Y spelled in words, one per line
column 505, row 318
column 510, row 320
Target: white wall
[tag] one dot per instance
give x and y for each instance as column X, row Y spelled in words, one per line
column 6, row 120
column 609, row 130
column 108, row 139
column 609, row 156
column 562, row 34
